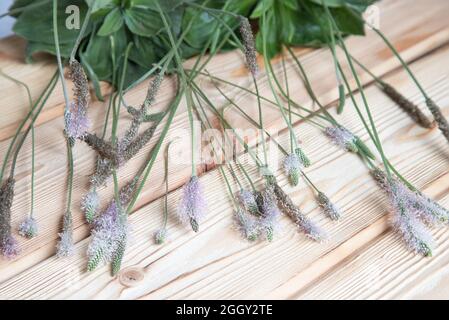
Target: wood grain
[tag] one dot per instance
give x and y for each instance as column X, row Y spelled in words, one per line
column 216, row 263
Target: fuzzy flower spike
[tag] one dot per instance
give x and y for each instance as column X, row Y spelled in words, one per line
column 405, row 217
column 89, row 205
column 328, row 207
column 65, row 247
column 438, row 115
column 76, row 120
column 342, row 137
column 269, row 213
column 110, row 232
column 28, row 228
column 248, row 201
column 307, row 226
column 247, row 224
column 249, row 46
column 292, row 167
column 426, row 209
column 8, row 244
column 192, row 207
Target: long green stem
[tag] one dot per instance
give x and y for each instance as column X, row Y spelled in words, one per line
column 34, row 115
column 30, row 101
column 270, row 71
column 58, row 54
column 156, row 149
column 360, row 88
column 82, row 31
column 293, row 103
column 70, row 176
column 289, row 105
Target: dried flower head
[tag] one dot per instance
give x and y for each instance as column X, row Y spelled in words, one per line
column 89, row 205
column 28, row 228
column 76, row 120
column 405, row 216
column 342, row 137
column 247, row 224
column 6, row 200
column 305, row 161
column 248, row 201
column 328, row 207
column 269, row 212
column 413, row 232
column 109, row 230
column 424, row 208
column 153, row 89
column 104, row 149
column 139, row 115
column 9, row 247
column 65, row 247
column 136, row 145
column 293, row 167
column 160, row 236
column 248, row 44
column 192, row 207
column 441, row 121
column 305, row 224
column 409, row 107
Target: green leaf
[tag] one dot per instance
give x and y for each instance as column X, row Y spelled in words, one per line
column 341, row 3
column 262, row 7
column 98, row 53
column 34, row 47
column 112, row 23
column 144, row 52
column 347, row 22
column 93, row 77
column 272, row 38
column 292, row 4
column 143, row 22
column 36, row 24
column 166, row 5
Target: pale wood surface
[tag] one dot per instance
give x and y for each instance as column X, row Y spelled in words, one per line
column 362, row 260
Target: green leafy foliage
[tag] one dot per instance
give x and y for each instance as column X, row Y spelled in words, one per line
column 119, row 22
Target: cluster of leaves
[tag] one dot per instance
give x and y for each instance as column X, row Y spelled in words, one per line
column 116, row 23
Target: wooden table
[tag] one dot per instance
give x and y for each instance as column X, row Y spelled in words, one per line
column 362, row 260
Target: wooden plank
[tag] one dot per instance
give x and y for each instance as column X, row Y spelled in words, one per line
column 215, row 263
column 414, row 37
column 385, row 270
column 15, row 103
column 51, row 154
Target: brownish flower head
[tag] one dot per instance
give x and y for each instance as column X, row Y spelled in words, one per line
column 6, row 200
column 443, row 125
column 76, row 121
column 305, row 224
column 248, row 43
column 412, row 110
column 104, row 149
column 328, row 206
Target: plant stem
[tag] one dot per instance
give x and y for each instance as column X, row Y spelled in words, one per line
column 82, row 31
column 360, row 88
column 30, row 101
column 34, row 116
column 58, row 54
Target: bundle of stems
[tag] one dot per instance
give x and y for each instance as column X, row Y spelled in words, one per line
column 256, row 208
